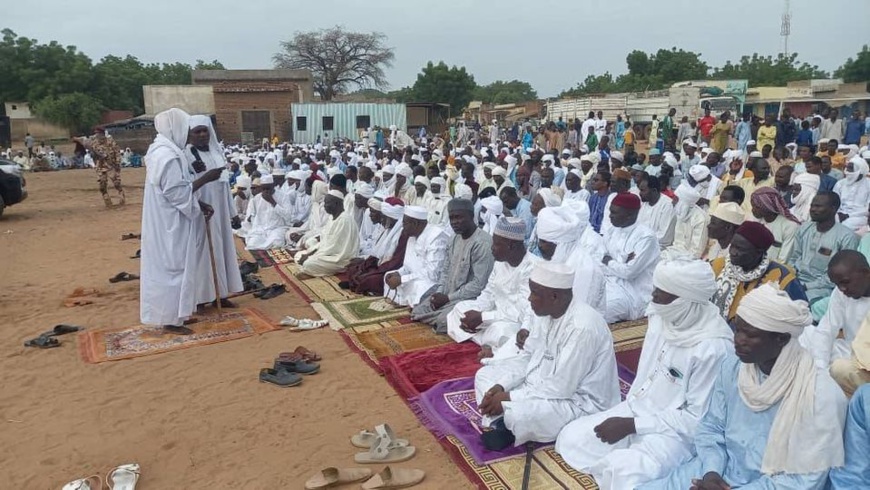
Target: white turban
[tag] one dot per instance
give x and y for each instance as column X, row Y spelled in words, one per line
column 404, row 170
column 548, row 158
column 574, row 162
column 462, row 191
column 493, row 205
column 375, row 204
column 770, row 309
column 499, row 171
column 558, row 225
column 617, row 155
column 243, row 181
column 172, row 128
column 389, row 169
column 363, row 189
column 688, row 197
column 439, row 181
column 391, row 211
column 699, row 172
column 551, row 199
column 691, row 317
column 266, row 179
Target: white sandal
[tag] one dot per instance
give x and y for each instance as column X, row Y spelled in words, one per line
column 123, row 477
column 85, row 484
column 366, row 438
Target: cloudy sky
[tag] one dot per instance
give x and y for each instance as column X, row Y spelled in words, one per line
column 551, row 44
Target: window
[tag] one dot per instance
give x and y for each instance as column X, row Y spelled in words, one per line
column 301, row 123
column 363, row 122
column 14, row 107
column 328, row 123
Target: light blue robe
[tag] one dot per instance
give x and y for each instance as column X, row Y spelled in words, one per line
column 731, row 438
column 856, row 472
column 524, row 211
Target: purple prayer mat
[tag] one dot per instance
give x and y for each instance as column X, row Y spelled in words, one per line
column 449, row 408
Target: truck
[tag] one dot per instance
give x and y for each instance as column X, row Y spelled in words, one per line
column 689, row 98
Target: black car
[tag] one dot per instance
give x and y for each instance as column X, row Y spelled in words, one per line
column 13, row 187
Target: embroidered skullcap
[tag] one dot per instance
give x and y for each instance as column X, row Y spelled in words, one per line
column 512, row 228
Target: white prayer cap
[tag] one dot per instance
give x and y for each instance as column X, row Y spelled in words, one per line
column 574, row 162
column 730, row 212
column 770, row 309
column 404, row 170
column 671, row 161
column 499, row 171
column 690, row 143
column 756, row 154
column 595, row 158
column 706, row 151
column 363, row 189
column 243, row 181
column 199, row 120
column 685, row 277
column 512, row 228
column 296, row 175
column 389, row 169
column 752, row 142
column 279, row 172
column 416, row 212
column 558, row 224
column 576, row 172
column 489, row 165
column 492, row 204
column 617, row 155
column 586, row 158
column 334, row 153
column 548, row 158
column 551, row 199
column 297, row 161
column 374, row 204
column 336, row 193
column 394, row 211
column 554, row 276
column 566, row 151
column 266, row 179
column 421, row 180
column 462, row 191
column 699, row 172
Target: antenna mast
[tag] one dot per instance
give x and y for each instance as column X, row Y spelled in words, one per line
column 786, row 26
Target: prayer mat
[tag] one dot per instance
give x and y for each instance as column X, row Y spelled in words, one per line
column 115, row 343
column 280, row 256
column 379, row 340
column 628, row 335
column 262, row 257
column 449, row 409
column 358, row 311
column 412, row 373
column 317, row 289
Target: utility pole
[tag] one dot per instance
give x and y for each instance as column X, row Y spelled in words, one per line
column 785, row 30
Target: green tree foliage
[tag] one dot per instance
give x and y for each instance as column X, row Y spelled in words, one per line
column 338, row 59
column 443, row 84
column 857, row 69
column 501, row 92
column 77, row 111
column 769, row 70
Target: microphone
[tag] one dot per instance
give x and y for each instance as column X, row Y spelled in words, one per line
column 195, row 153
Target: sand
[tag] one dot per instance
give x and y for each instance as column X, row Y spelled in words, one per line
column 193, row 419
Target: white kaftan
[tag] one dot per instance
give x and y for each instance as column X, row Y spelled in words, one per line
column 661, row 218
column 339, row 242
column 823, row 340
column 268, row 224
column 690, row 235
column 629, row 279
column 422, row 266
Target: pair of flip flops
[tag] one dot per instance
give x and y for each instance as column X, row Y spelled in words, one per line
column 123, row 276
column 123, row 477
column 388, row 478
column 297, row 325
column 288, row 369
column 272, row 291
column 383, row 446
column 47, row 340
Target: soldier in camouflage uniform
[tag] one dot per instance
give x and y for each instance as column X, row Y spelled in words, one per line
column 107, row 161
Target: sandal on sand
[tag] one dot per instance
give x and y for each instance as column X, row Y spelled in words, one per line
column 366, row 438
column 282, row 378
column 123, row 276
column 330, row 477
column 61, row 329
column 43, row 342
column 137, row 255
column 383, row 452
column 90, row 483
column 130, row 236
column 274, row 291
column 306, row 354
column 123, row 477
column 394, row 478
column 296, row 366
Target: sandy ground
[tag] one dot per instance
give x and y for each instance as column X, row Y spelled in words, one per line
column 193, row 419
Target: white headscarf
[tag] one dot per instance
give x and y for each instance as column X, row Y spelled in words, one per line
column 494, row 210
column 551, row 199
column 809, row 188
column 796, row 443
column 860, row 166
column 168, row 145
column 688, row 196
column 386, row 245
column 691, row 317
column 560, row 225
column 214, row 147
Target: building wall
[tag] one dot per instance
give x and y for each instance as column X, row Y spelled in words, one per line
column 39, row 129
column 193, row 99
column 232, row 100
column 18, row 110
column 345, row 119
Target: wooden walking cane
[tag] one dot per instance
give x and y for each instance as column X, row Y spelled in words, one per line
column 214, row 276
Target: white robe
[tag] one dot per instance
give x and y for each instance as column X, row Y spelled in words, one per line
column 844, row 314
column 629, row 282
column 853, row 201
column 173, row 240
column 368, row 234
column 661, row 218
column 438, row 210
column 503, row 304
column 567, row 369
column 339, row 242
column 268, row 224
column 422, row 266
column 669, row 395
column 217, row 194
column 690, row 235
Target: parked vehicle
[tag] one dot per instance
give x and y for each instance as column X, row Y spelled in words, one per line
column 13, row 186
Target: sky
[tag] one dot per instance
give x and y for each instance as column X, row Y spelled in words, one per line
column 552, row 44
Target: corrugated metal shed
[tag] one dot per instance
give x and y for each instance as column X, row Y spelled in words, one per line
column 343, row 120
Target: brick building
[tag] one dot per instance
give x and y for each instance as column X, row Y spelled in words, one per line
column 253, row 104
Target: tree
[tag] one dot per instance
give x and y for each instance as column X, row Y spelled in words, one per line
column 443, row 84
column 767, row 70
column 338, row 59
column 856, row 70
column 211, row 65
column 594, row 84
column 501, row 92
column 77, row 112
